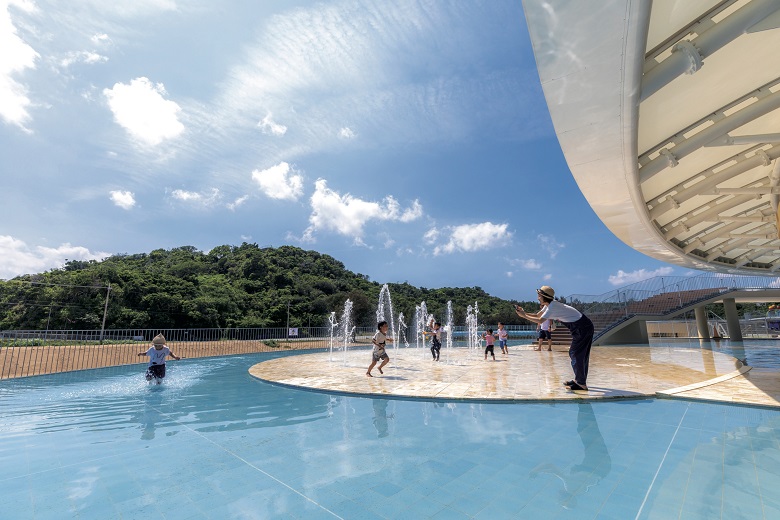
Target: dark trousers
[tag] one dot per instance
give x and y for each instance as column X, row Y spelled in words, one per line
column 155, row 371
column 435, row 348
column 579, row 351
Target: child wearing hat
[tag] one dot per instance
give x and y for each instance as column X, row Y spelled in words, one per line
column 579, row 325
column 157, row 353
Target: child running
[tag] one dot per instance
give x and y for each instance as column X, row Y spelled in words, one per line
column 379, row 340
column 157, row 354
column 435, row 334
column 490, row 339
column 503, row 335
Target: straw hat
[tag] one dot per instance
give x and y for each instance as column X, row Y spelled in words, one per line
column 158, row 340
column 546, row 291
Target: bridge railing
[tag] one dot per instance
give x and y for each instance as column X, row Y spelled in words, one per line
column 660, row 296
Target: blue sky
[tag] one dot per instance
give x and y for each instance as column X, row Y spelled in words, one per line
column 410, row 140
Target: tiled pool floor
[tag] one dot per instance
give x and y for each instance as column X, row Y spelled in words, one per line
column 213, row 442
column 526, row 374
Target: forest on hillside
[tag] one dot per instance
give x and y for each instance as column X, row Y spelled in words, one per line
column 228, row 287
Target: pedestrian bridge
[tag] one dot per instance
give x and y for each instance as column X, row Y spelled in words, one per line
column 620, row 316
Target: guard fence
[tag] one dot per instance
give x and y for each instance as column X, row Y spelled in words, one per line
column 28, row 353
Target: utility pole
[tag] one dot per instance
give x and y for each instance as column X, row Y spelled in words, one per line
column 287, row 332
column 105, row 311
column 46, row 337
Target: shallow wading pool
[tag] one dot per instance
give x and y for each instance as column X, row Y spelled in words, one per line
column 213, row 442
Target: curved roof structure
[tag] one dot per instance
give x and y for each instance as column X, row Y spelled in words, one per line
column 668, row 113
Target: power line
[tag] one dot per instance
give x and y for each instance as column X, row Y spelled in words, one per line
column 58, row 284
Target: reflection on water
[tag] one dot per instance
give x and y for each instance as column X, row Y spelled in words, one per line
column 595, row 464
column 757, row 353
column 151, row 415
column 381, row 417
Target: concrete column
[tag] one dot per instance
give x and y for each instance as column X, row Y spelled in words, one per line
column 732, row 319
column 701, row 322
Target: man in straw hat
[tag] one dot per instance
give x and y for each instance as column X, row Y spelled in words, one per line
column 579, row 325
column 157, row 354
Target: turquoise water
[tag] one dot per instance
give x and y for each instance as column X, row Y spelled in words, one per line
column 758, row 353
column 212, row 442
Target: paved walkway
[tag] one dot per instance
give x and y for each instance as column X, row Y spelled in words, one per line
column 524, row 374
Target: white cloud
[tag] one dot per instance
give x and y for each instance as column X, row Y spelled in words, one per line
column 393, row 210
column 269, row 126
column 348, row 215
column 549, row 244
column 280, row 182
column 134, row 9
column 347, row 133
column 347, row 58
column 100, row 38
column 17, row 258
column 387, row 240
column 474, row 237
column 123, row 199
column 142, row 110
column 202, row 199
column 624, row 278
column 16, row 56
column 530, row 263
column 431, row 235
column 87, row 57
column 236, row 203
column 509, row 274
column 547, row 277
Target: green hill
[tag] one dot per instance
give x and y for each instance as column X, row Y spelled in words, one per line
column 230, row 286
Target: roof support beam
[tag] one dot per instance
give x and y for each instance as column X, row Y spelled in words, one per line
column 687, row 56
column 669, row 157
column 685, row 193
column 744, row 219
column 701, row 241
column 684, row 223
column 728, row 140
column 759, row 191
column 753, row 236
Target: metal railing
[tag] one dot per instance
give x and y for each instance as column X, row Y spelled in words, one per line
column 661, row 296
column 28, row 352
column 34, row 352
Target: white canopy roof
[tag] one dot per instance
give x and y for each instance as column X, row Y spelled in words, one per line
column 668, row 113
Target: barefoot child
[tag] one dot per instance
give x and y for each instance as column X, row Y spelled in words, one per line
column 489, row 342
column 545, row 333
column 435, row 335
column 379, row 340
column 503, row 335
column 157, row 354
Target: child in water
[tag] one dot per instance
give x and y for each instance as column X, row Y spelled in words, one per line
column 490, row 339
column 379, row 340
column 503, row 335
column 157, row 354
column 435, row 335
